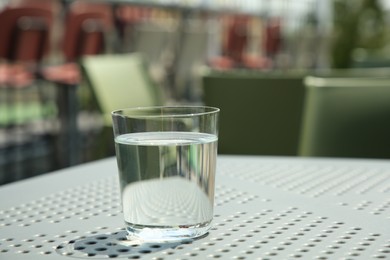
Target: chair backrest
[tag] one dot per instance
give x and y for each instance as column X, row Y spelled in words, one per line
column 346, row 116
column 260, row 113
column 272, row 37
column 120, row 81
column 24, row 33
column 86, row 27
column 237, row 37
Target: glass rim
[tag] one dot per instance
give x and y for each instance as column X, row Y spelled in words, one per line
column 208, row 110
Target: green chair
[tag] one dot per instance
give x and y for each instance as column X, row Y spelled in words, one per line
column 120, row 81
column 347, row 116
column 260, row 112
column 116, row 81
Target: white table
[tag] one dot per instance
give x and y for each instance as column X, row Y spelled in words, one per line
column 266, row 208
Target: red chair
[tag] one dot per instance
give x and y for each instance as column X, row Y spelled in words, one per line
column 25, row 28
column 273, row 38
column 24, row 34
column 86, row 27
column 234, row 45
column 237, row 38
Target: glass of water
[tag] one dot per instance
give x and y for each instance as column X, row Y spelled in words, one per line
column 167, row 161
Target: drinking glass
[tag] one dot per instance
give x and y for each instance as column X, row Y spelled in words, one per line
column 166, row 160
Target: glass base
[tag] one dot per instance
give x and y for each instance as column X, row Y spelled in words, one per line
column 166, row 233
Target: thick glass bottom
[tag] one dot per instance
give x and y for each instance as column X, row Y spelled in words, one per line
column 166, row 233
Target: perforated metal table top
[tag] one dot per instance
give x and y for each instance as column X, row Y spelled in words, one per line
column 265, row 208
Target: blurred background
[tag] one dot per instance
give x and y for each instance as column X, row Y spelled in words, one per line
column 64, row 65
